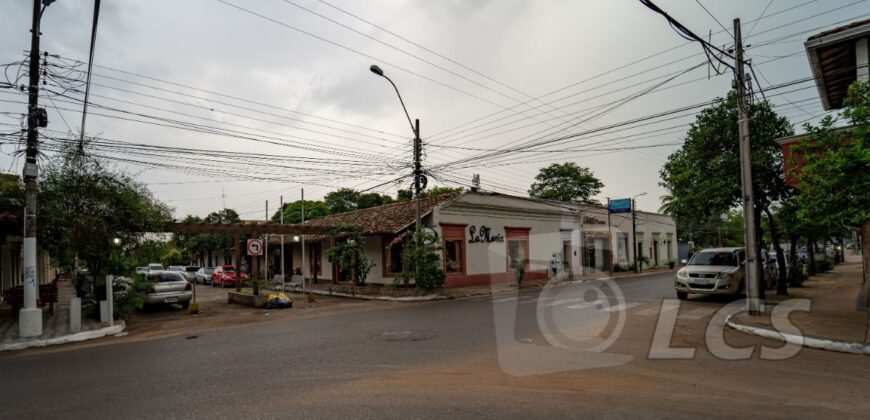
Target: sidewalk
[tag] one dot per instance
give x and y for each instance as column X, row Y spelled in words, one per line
column 55, row 329
column 835, row 321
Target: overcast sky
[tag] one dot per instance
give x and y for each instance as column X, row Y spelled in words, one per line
column 476, row 73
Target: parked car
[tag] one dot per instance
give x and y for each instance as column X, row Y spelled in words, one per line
column 203, row 275
column 771, row 270
column 169, row 287
column 141, row 270
column 225, row 275
column 712, row 271
column 190, row 273
column 155, row 267
column 185, row 271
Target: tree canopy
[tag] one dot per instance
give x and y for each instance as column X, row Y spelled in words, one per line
column 85, row 204
column 834, row 180
column 703, row 176
column 566, row 182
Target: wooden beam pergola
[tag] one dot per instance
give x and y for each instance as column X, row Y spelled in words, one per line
column 247, row 228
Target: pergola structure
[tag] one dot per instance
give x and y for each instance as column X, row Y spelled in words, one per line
column 250, row 228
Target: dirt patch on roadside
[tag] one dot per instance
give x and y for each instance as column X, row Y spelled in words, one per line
column 215, row 314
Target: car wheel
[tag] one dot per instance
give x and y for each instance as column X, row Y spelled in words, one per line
column 682, row 295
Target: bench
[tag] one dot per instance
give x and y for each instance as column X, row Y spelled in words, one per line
column 295, row 281
column 278, row 280
column 47, row 294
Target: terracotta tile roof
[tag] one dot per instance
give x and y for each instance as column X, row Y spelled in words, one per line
column 387, row 219
column 839, row 29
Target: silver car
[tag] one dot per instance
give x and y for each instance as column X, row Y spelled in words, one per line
column 203, row 275
column 712, row 271
column 169, row 287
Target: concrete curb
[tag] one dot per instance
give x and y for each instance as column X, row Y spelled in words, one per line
column 426, row 298
column 71, row 338
column 810, row 342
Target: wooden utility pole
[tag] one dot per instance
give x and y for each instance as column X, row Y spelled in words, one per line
column 753, row 284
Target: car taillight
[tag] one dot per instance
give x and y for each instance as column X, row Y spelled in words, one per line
column 188, row 287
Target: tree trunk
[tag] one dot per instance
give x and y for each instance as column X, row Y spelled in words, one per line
column 811, row 256
column 793, row 259
column 781, row 284
column 759, row 267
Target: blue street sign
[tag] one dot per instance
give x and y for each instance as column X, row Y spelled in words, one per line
column 620, row 205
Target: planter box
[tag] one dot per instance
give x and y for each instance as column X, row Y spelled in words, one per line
column 245, row 299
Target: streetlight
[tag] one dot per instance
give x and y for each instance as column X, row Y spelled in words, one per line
column 637, row 249
column 418, row 171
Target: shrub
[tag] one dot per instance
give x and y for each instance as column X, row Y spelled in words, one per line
column 130, row 296
column 671, row 264
column 427, row 257
column 797, row 275
column 823, row 266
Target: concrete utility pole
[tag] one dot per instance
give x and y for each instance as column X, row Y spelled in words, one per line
column 753, row 305
column 266, row 240
column 634, row 236
column 30, row 317
column 418, row 193
column 609, row 239
column 419, row 178
column 302, row 241
column 281, row 217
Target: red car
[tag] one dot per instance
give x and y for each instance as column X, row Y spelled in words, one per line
column 225, row 275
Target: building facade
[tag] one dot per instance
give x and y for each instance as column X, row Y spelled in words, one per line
column 487, row 237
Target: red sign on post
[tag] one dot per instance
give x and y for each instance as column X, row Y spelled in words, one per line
column 255, row 247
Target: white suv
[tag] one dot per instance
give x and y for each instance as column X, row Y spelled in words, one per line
column 712, row 271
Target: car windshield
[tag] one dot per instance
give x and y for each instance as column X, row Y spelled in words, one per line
column 155, row 267
column 192, row 269
column 714, row 258
column 169, row 277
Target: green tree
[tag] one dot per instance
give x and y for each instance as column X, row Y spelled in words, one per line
column 427, row 257
column 342, row 200
column 566, row 182
column 369, row 200
column 85, row 204
column 436, row 191
column 404, row 195
column 293, row 211
column 350, row 254
column 834, row 180
column 704, row 174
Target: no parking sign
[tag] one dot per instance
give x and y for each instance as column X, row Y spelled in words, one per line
column 255, row 247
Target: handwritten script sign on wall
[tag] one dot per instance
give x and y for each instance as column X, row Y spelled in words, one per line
column 484, row 235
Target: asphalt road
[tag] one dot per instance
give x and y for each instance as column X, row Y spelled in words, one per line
column 512, row 355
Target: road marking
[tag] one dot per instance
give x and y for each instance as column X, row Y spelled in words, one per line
column 622, row 307
column 654, row 310
column 601, row 302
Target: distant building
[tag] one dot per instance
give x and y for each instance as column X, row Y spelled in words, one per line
column 483, row 234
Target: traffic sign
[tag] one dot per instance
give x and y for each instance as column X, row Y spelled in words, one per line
column 255, row 247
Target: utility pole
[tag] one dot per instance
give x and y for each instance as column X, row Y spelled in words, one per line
column 634, row 236
column 281, row 217
column 418, row 193
column 266, row 240
column 302, row 240
column 609, row 239
column 752, row 281
column 30, row 317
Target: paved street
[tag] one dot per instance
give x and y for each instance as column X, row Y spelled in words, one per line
column 432, row 360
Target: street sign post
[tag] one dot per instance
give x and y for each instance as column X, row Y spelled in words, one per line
column 255, row 247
